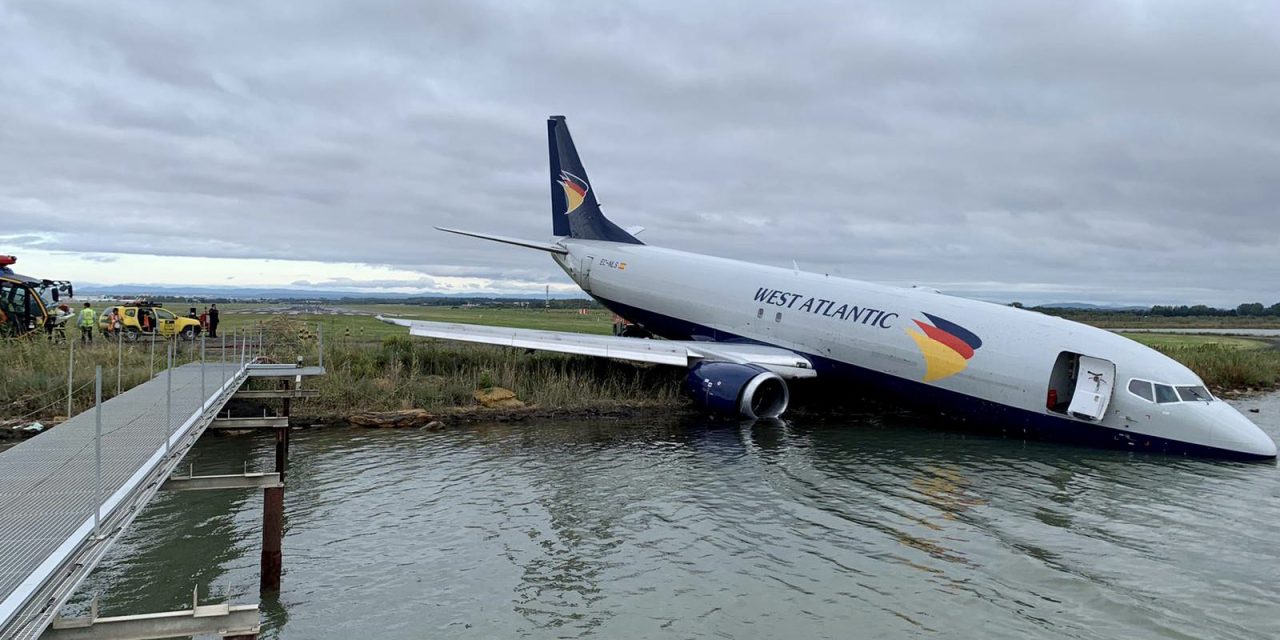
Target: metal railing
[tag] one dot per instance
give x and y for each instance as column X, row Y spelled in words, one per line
column 57, row 576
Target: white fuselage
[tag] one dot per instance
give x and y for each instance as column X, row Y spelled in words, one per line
column 866, row 326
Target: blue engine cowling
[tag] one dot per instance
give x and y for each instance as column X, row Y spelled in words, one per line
column 736, row 389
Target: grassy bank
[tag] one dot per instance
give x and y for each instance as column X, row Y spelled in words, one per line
column 400, row 372
column 388, row 373
column 1229, row 368
column 1223, row 362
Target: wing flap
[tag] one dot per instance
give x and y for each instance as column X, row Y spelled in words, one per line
column 678, row 353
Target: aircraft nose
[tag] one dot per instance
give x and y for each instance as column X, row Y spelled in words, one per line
column 1244, row 436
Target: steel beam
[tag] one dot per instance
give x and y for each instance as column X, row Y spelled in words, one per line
column 250, row 423
column 263, row 394
column 282, row 371
column 220, row 619
column 264, row 480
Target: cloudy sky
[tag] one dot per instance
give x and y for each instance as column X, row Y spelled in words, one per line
column 1044, row 151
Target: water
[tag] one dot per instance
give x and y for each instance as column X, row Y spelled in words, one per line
column 873, row 527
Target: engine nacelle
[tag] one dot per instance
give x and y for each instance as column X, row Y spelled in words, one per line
column 736, row 389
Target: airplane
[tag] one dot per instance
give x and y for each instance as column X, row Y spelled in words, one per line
column 744, row 331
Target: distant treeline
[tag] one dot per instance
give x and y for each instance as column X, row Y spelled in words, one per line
column 1247, row 310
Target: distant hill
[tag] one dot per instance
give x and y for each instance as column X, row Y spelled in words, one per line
column 1085, row 306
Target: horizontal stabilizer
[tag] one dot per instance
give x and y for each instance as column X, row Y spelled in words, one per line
column 531, row 244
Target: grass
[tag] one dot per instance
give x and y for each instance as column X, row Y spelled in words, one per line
column 372, row 366
column 401, row 372
column 1131, row 321
column 366, row 327
column 33, row 373
column 1223, row 362
column 1225, row 367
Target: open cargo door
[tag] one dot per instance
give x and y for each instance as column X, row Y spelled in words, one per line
column 1095, row 378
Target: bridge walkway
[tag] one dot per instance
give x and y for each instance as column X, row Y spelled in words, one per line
column 59, row 514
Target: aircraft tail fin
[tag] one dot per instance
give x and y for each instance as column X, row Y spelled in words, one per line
column 574, row 209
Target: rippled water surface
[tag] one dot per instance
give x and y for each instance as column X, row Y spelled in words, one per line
column 874, row 526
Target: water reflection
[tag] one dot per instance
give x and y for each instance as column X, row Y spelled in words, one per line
column 878, row 525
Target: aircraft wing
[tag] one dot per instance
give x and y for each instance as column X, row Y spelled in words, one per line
column 682, row 353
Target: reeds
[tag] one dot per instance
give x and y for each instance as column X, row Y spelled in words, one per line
column 1228, row 368
column 403, row 372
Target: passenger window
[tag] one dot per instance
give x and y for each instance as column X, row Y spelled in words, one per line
column 759, row 313
column 778, row 317
column 1165, row 394
column 1142, row 389
column 130, row 312
column 1194, row 393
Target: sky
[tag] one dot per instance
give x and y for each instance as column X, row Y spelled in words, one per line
column 1112, row 152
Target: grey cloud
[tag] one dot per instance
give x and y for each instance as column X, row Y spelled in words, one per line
column 1102, row 150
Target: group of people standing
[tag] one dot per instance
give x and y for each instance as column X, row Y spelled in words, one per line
column 208, row 320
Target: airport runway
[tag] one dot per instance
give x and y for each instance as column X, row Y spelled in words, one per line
column 1260, row 333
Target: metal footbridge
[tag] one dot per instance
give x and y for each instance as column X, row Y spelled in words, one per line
column 69, row 494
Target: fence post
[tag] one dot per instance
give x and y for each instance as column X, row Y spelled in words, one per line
column 97, row 446
column 71, row 367
column 119, row 358
column 168, row 400
column 320, row 341
column 152, row 357
column 204, row 395
column 224, row 360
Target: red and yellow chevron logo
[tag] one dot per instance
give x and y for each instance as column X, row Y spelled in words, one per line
column 946, row 347
column 575, row 190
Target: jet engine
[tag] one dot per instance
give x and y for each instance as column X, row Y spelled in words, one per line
column 745, row 390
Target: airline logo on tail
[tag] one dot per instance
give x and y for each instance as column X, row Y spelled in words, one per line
column 946, row 347
column 575, row 190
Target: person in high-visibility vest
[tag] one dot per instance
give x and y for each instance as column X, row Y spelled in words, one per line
column 88, row 322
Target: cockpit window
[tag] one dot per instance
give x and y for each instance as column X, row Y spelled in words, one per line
column 1194, row 393
column 1142, row 389
column 1165, row 394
